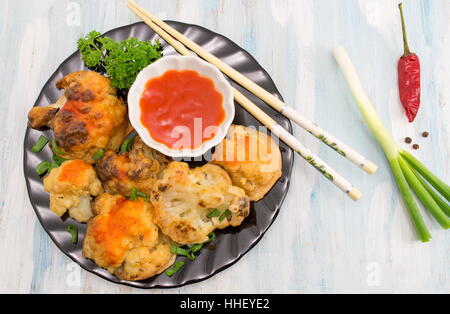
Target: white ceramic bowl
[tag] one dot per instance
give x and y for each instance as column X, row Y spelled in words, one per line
column 180, row 63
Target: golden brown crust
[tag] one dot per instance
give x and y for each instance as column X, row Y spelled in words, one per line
column 252, row 159
column 139, row 168
column 123, row 239
column 71, row 187
column 184, row 197
column 91, row 118
column 39, row 117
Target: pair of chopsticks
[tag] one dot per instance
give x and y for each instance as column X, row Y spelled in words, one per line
column 180, row 42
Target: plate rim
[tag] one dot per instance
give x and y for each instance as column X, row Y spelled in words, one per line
column 139, row 284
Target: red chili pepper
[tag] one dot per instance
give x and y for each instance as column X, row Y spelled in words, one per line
column 409, row 77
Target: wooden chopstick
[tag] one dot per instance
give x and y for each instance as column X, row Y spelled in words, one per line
column 261, row 116
column 274, row 102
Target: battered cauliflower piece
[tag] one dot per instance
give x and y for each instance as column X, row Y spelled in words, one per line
column 91, row 116
column 71, row 187
column 252, row 159
column 140, row 169
column 123, row 239
column 184, row 197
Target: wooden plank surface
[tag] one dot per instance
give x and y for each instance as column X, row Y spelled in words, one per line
column 321, row 241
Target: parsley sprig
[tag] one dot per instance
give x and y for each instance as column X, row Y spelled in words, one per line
column 120, row 61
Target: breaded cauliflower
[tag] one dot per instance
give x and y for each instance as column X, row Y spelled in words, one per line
column 89, row 117
column 140, row 168
column 184, row 198
column 71, row 187
column 123, row 239
column 251, row 158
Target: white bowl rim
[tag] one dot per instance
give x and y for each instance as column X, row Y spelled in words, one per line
column 157, row 69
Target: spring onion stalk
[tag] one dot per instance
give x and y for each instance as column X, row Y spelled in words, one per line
column 423, row 195
column 74, row 233
column 127, row 145
column 211, row 237
column 170, row 272
column 437, row 183
column 442, row 204
column 98, row 155
column 133, row 194
column 410, row 174
column 214, row 213
column 227, row 213
column 175, row 249
column 196, row 247
column 40, row 144
column 58, row 151
column 143, row 195
column 43, row 167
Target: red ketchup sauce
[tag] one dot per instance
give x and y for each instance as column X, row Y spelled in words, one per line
column 181, row 98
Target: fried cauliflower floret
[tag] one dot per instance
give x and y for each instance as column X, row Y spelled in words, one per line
column 183, row 198
column 71, row 187
column 92, row 117
column 39, row 117
column 140, row 168
column 251, row 158
column 123, row 239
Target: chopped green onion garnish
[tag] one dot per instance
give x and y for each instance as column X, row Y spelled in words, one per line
column 74, row 232
column 143, row 195
column 225, row 214
column 182, row 252
column 126, row 145
column 98, row 155
column 58, row 160
column 179, row 251
column 56, row 149
column 190, row 250
column 170, row 272
column 40, row 144
column 53, row 165
column 214, row 213
column 133, row 194
column 196, row 247
column 43, row 167
column 211, row 236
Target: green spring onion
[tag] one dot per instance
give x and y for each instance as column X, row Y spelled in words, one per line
column 171, row 271
column 212, row 237
column 74, row 232
column 134, row 194
column 442, row 204
column 175, row 249
column 43, row 167
column 143, row 195
column 40, row 144
column 98, row 155
column 189, row 250
column 58, row 151
column 214, row 213
column 127, row 144
column 58, row 160
column 196, row 247
column 410, row 173
column 227, row 213
column 53, row 165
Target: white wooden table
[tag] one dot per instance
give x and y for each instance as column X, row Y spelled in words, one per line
column 321, row 241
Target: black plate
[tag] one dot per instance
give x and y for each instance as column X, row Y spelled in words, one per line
column 231, row 244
